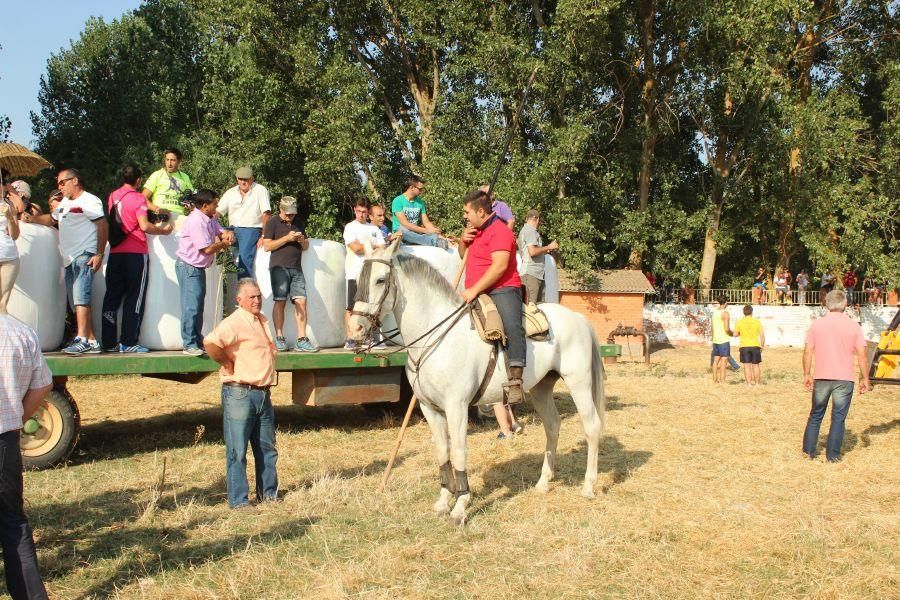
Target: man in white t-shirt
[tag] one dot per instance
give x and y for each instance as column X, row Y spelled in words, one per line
column 82, row 242
column 247, row 207
column 355, row 234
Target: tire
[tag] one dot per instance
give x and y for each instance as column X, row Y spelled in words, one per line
column 55, row 439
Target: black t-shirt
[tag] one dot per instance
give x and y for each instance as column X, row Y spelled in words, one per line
column 289, row 254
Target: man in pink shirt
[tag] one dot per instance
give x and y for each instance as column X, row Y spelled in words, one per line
column 831, row 343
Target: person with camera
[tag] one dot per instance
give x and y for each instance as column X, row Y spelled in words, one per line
column 165, row 188
column 248, row 208
column 127, row 266
column 202, row 237
column 284, row 238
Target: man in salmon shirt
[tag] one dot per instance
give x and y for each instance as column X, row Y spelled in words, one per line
column 831, row 343
column 491, row 269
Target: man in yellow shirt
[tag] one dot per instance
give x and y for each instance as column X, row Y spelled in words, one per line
column 165, row 187
column 750, row 331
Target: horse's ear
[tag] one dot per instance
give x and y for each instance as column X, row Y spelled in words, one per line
column 392, row 249
column 368, row 250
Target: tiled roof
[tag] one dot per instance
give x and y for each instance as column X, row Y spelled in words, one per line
column 622, row 281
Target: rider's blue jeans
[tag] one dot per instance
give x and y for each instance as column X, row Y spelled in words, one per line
column 508, row 301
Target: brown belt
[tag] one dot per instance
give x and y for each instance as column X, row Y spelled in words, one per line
column 247, row 386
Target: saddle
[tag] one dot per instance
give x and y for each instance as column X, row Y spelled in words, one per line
column 487, row 321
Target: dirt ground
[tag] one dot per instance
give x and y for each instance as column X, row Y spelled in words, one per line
column 703, row 493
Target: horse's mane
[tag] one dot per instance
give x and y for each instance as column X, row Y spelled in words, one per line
column 422, row 271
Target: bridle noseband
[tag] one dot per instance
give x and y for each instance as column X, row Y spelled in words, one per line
column 365, row 274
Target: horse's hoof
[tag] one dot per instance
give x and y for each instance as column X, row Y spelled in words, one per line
column 588, row 492
column 542, row 486
column 441, row 510
column 457, row 520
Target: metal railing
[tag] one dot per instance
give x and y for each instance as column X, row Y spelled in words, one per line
column 672, row 295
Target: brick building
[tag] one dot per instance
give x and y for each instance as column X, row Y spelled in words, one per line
column 607, row 299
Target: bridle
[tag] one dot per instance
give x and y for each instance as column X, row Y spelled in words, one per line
column 374, row 318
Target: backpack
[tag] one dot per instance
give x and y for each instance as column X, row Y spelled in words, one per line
column 117, row 233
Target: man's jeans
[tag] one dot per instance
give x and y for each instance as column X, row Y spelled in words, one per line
column 419, row 239
column 840, row 393
column 246, row 239
column 23, row 579
column 508, row 301
column 712, row 359
column 192, row 284
column 249, row 417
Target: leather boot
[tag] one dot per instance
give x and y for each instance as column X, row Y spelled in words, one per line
column 513, row 387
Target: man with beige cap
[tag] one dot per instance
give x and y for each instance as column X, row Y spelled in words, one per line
column 248, row 209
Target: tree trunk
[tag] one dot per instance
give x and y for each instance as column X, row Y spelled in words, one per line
column 710, row 245
column 648, row 151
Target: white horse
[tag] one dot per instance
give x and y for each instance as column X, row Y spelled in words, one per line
column 446, row 367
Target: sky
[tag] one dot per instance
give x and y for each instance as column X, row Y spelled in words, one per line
column 38, row 29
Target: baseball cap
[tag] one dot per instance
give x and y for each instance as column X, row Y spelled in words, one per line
column 532, row 214
column 244, row 173
column 289, row 205
column 22, row 188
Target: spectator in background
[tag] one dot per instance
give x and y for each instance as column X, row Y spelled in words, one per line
column 826, row 286
column 534, row 254
column 127, row 267
column 802, row 284
column 24, row 383
column 9, row 254
column 500, row 208
column 832, row 343
column 247, row 207
column 376, row 217
column 849, row 282
column 410, row 217
column 202, row 237
column 356, row 232
column 82, row 243
column 759, row 286
column 782, row 288
column 284, row 238
column 165, row 188
column 721, row 338
column 752, row 339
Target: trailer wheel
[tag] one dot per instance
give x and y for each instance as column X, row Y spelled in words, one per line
column 51, row 432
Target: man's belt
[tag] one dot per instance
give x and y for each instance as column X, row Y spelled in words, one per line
column 247, row 386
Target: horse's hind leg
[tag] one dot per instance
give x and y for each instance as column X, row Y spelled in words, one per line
column 592, row 423
column 542, row 398
column 438, row 424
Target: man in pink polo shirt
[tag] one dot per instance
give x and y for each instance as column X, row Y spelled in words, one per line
column 831, row 343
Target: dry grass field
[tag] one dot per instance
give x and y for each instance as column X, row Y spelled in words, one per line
column 703, row 494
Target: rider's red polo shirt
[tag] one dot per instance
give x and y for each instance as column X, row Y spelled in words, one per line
column 493, row 237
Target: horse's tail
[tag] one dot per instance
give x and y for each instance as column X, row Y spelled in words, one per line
column 598, row 377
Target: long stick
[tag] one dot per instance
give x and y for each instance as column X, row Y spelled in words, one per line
column 412, row 402
column 512, row 129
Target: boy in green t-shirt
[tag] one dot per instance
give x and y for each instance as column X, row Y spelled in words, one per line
column 750, row 331
column 165, row 187
column 410, row 217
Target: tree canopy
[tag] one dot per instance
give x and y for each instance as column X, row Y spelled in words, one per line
column 698, row 139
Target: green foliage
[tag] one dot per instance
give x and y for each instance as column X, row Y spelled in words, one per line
column 711, row 100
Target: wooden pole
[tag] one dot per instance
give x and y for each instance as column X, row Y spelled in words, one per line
column 412, row 402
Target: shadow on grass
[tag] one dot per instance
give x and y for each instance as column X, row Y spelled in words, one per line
column 107, row 527
column 871, row 430
column 509, row 476
column 118, row 439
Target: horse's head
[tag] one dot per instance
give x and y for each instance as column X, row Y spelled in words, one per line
column 376, row 290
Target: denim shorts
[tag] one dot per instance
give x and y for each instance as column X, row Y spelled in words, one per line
column 722, row 349
column 80, row 280
column 287, row 283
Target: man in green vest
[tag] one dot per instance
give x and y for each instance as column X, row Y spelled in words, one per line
column 164, row 188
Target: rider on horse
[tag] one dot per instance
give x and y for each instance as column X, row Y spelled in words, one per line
column 489, row 249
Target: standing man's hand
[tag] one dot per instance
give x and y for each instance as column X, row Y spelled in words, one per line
column 865, row 385
column 808, row 382
column 553, row 246
column 96, row 261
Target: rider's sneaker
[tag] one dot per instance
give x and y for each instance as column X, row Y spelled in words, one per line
column 305, row 345
column 281, row 344
column 83, row 346
column 136, row 349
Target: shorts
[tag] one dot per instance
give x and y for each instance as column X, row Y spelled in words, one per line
column 80, row 280
column 751, row 355
column 287, row 283
column 534, row 288
column 760, row 284
column 722, row 349
column 351, row 293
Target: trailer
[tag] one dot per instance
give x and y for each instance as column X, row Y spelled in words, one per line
column 327, row 377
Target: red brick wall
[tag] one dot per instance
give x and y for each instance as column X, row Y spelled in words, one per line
column 605, row 311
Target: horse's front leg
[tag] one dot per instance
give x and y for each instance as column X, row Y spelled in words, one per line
column 457, row 425
column 438, row 424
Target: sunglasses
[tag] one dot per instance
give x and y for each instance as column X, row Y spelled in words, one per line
column 62, row 182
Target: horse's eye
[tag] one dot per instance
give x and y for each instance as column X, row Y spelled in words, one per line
column 379, row 281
